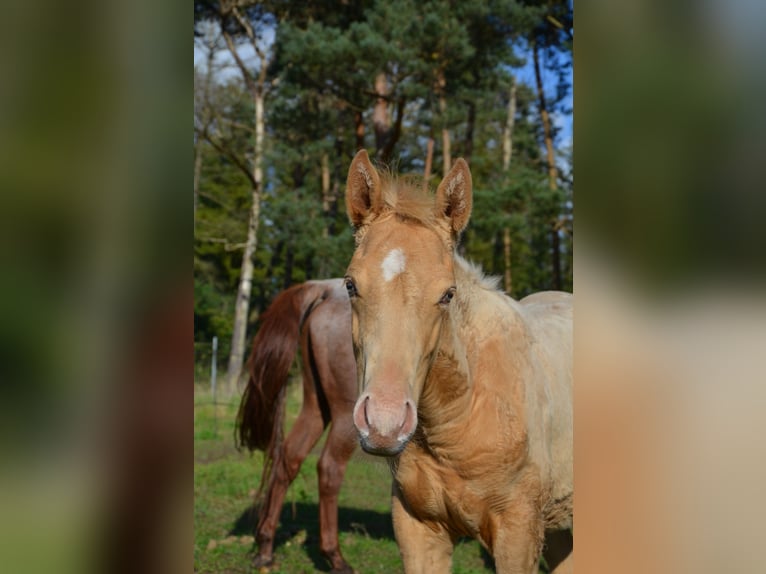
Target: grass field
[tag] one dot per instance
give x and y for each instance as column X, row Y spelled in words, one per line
column 225, row 480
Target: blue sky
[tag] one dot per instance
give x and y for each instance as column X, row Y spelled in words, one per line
column 526, row 75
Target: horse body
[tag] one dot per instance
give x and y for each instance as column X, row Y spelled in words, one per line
column 467, row 391
column 501, row 451
column 316, row 315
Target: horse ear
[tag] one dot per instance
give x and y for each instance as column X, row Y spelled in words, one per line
column 362, row 189
column 454, row 196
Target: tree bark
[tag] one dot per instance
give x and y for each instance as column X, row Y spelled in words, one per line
column 337, row 174
column 257, row 86
column 386, row 134
column 394, row 133
column 556, row 252
column 507, row 154
column 327, row 202
column 446, row 144
column 197, row 174
column 508, row 129
column 507, row 279
column 244, row 290
column 469, row 129
column 380, row 120
column 429, row 161
column 446, row 151
column 552, row 171
column 326, row 198
column 358, row 131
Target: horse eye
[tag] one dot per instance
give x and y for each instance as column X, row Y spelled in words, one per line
column 350, row 287
column 447, row 297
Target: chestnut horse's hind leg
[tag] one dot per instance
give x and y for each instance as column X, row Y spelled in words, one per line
column 340, row 445
column 558, row 551
column 303, row 436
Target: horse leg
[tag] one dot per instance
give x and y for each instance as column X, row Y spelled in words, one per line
column 424, row 549
column 517, row 542
column 558, row 551
column 303, row 436
column 340, row 445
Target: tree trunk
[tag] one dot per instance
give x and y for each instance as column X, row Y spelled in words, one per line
column 326, row 209
column 359, row 130
column 242, row 307
column 394, row 133
column 380, row 119
column 337, row 174
column 556, row 253
column 508, row 129
column 507, row 259
column 446, row 145
column 309, row 270
column 469, row 129
column 429, row 161
column 197, row 174
column 386, row 135
column 507, row 154
column 326, row 198
column 446, row 151
column 257, row 86
column 289, row 262
column 552, row 171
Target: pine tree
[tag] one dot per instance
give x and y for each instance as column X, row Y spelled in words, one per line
column 399, row 78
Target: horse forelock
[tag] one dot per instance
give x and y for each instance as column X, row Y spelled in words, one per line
column 408, row 199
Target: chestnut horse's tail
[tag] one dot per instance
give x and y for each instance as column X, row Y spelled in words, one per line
column 261, row 410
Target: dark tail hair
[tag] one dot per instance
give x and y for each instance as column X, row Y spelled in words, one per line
column 261, row 411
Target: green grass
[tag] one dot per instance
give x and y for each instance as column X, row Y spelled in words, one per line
column 224, row 482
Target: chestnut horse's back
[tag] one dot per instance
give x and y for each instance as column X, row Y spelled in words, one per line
column 549, row 315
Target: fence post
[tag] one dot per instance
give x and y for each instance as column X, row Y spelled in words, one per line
column 214, row 366
column 213, row 371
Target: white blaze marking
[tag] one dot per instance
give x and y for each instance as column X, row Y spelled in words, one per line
column 393, row 264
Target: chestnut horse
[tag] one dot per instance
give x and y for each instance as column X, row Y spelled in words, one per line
column 465, row 390
column 317, row 313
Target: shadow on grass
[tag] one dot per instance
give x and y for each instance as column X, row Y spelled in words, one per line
column 305, row 516
column 489, row 562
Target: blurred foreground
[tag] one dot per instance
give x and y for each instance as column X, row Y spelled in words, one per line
column 95, row 235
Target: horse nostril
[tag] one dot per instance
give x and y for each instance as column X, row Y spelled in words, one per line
column 360, row 416
column 409, row 422
column 366, row 418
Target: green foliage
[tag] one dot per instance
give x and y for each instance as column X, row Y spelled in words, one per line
column 322, row 91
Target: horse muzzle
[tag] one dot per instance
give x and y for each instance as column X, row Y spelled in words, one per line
column 384, row 426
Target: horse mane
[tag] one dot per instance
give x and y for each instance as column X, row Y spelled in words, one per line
column 474, row 288
column 473, row 274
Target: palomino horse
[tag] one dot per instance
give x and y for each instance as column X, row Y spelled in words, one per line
column 467, row 391
column 317, row 313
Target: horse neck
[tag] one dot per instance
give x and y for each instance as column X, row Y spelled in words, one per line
column 447, row 393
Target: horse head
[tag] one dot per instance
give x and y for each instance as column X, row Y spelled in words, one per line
column 401, row 283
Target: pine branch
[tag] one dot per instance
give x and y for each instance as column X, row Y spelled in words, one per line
column 225, row 151
column 249, row 79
